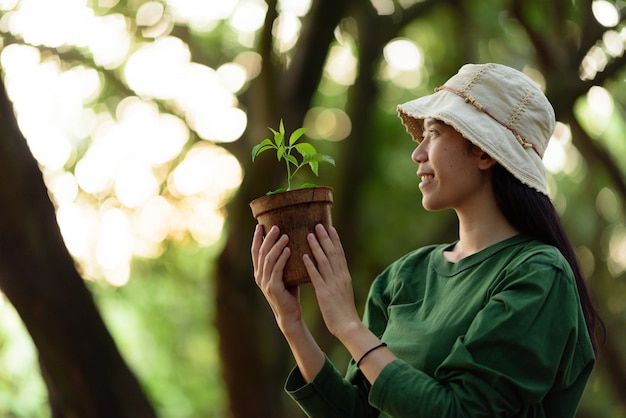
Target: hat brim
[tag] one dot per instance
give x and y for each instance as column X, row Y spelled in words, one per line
column 477, row 127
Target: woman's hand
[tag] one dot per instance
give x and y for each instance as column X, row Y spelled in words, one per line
column 333, row 289
column 332, row 282
column 269, row 256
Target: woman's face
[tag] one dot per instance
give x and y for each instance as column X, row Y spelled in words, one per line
column 451, row 169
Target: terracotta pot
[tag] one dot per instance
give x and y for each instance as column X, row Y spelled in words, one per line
column 296, row 213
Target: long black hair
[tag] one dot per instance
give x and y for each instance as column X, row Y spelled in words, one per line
column 517, row 201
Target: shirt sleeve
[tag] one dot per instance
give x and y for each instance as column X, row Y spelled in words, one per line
column 329, row 395
column 523, row 343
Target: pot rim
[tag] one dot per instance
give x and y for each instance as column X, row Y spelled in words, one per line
column 316, row 194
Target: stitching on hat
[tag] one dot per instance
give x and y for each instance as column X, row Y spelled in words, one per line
column 516, row 115
column 476, row 76
column 469, row 99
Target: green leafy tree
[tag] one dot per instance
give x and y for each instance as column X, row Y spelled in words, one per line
column 561, row 43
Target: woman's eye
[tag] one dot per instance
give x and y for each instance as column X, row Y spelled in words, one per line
column 429, row 133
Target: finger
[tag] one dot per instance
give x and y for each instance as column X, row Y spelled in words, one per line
column 271, row 282
column 321, row 257
column 265, row 245
column 331, row 246
column 315, row 246
column 257, row 240
column 334, row 237
column 268, row 241
column 270, row 260
column 314, row 274
column 324, row 239
column 338, row 248
column 279, row 267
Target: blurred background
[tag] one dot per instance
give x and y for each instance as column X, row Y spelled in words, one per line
column 141, row 116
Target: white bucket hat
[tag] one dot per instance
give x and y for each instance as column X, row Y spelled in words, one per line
column 497, row 108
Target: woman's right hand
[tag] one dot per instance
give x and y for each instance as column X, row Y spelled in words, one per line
column 269, row 256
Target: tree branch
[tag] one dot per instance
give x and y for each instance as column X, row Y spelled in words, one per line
column 593, row 150
column 302, row 78
column 416, row 11
column 544, row 53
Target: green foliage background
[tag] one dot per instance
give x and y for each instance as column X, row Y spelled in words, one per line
column 163, row 318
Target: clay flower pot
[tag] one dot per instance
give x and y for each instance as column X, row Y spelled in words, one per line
column 296, row 212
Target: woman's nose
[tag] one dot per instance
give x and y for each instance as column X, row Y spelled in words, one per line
column 419, row 155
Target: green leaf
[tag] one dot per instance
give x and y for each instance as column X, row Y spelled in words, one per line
column 308, row 185
column 307, row 158
column 260, row 147
column 327, row 159
column 265, row 148
column 305, row 149
column 291, row 159
column 281, row 190
column 279, row 153
column 321, row 158
column 315, row 165
column 278, row 137
column 296, row 135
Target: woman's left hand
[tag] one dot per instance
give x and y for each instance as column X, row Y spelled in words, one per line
column 332, row 281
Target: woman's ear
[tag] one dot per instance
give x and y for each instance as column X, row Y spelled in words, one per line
column 485, row 162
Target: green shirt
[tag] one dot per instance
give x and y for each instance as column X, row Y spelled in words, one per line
column 498, row 333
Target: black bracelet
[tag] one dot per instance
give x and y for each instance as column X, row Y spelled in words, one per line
column 369, row 351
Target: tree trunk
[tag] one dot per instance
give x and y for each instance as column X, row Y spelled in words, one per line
column 82, row 368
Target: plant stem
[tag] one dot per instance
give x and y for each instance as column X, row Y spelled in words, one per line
column 288, row 174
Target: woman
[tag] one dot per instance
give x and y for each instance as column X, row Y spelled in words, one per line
column 498, row 323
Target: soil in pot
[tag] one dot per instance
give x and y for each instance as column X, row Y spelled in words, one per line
column 296, row 213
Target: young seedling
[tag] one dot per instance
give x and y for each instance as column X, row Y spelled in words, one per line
column 285, row 151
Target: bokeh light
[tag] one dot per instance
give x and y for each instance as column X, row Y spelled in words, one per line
column 248, row 15
column 561, row 155
column 617, row 250
column 106, row 167
column 609, row 205
column 404, row 62
column 383, row 7
column 600, row 108
column 613, row 41
column 342, row 64
column 605, row 13
column 286, row 30
column 403, row 54
column 297, row 7
column 328, row 124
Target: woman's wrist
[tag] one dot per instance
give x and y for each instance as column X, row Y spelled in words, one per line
column 293, row 329
column 350, row 330
column 307, row 353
